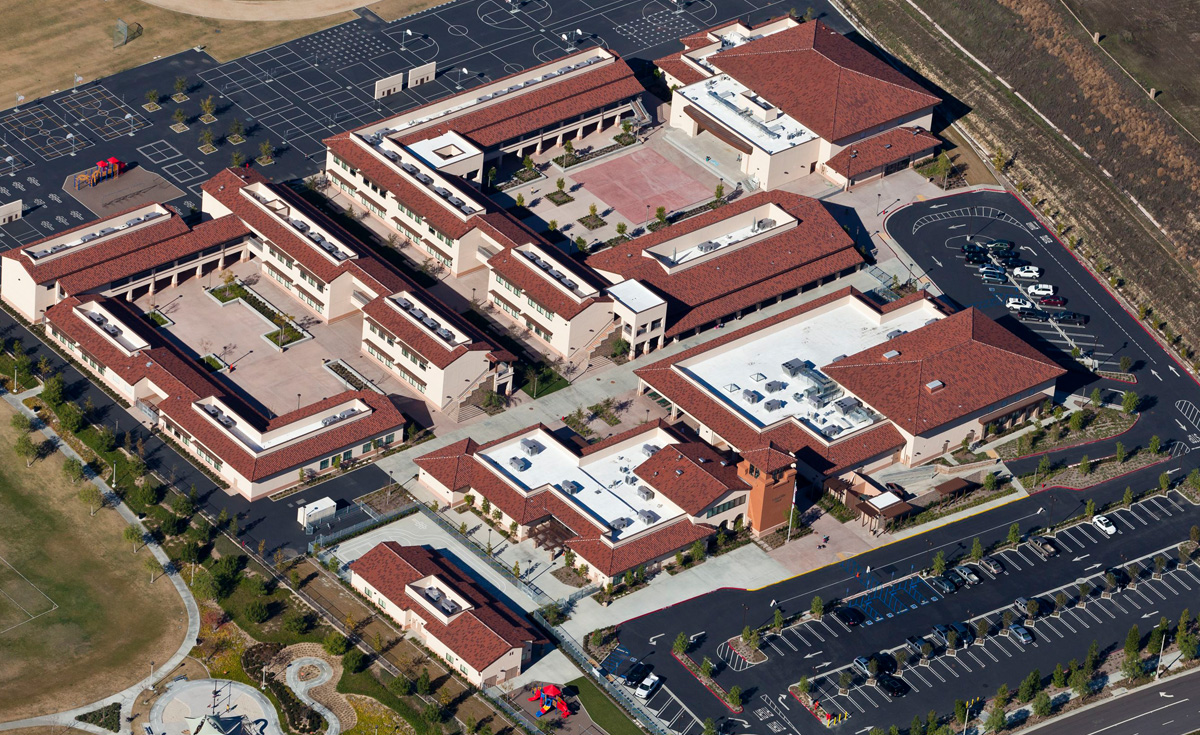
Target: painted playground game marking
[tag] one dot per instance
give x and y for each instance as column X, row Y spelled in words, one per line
column 103, row 112
column 16, row 589
column 44, row 132
column 159, row 151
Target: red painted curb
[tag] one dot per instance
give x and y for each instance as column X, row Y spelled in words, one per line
column 706, row 686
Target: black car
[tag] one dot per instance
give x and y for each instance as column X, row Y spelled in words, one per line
column 1068, row 317
column 1011, row 262
column 633, row 676
column 973, row 248
column 995, row 280
column 1032, row 315
column 995, row 245
column 891, row 686
column 851, row 616
column 976, row 259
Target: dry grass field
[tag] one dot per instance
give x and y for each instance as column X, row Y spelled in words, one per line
column 46, row 42
column 1156, row 42
column 110, row 621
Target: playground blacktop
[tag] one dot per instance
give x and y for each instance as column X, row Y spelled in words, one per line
column 133, row 188
column 578, row 723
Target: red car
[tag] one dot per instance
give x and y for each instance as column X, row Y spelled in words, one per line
column 1052, row 301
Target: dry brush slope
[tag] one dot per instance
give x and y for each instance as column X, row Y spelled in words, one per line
column 1026, row 42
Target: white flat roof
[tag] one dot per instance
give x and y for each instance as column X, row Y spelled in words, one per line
column 634, row 295
column 444, row 150
column 816, row 339
column 603, row 494
column 724, row 98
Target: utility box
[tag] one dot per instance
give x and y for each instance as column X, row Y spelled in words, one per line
column 313, row 512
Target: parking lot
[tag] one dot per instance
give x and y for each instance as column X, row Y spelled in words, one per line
column 897, row 604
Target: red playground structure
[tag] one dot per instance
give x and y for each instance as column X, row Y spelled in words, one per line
column 551, row 696
column 110, row 169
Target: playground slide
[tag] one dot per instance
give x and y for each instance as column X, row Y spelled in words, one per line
column 563, row 708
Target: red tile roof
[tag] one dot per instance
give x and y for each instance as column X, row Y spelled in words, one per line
column 828, row 83
column 457, row 467
column 978, row 362
column 691, row 475
column 787, row 437
column 479, row 635
column 181, row 378
column 518, row 270
column 880, row 150
column 116, row 246
column 682, row 71
column 725, row 282
column 543, row 105
column 434, row 349
column 223, row 230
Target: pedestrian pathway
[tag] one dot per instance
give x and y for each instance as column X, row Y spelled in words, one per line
column 302, row 688
column 127, row 696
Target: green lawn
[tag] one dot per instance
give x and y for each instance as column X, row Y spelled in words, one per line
column 366, row 684
column 601, row 709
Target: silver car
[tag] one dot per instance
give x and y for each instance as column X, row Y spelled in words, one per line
column 968, row 574
column 1021, row 633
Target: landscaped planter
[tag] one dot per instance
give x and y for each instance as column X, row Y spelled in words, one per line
column 151, row 107
column 236, row 291
column 213, row 363
column 180, row 97
column 208, row 119
column 265, row 161
column 208, row 150
column 349, row 377
column 179, row 128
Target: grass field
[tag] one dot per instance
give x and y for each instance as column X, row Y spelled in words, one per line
column 600, row 708
column 1156, row 42
column 47, row 41
column 110, row 621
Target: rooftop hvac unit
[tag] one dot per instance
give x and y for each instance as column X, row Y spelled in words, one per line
column 619, row 523
column 631, row 479
column 649, row 449
column 313, row 235
column 520, row 464
column 330, row 420
column 347, row 413
column 404, row 303
column 134, row 221
column 544, row 265
column 774, row 404
column 151, row 215
column 895, row 333
column 839, row 358
column 891, row 354
column 328, row 246
column 569, row 283
column 96, row 317
column 707, row 246
column 442, row 191
column 226, row 420
column 530, row 448
column 751, row 396
column 433, row 593
column 570, row 487
column 930, row 321
column 645, row 493
column 424, row 178
column 417, row 313
column 467, row 209
column 409, row 167
column 647, row 516
column 211, row 410
column 88, row 237
column 39, row 254
column 448, row 606
column 556, row 273
column 112, row 329
column 445, row 334
column 299, row 225
column 455, row 201
column 107, row 231
column 392, row 156
column 431, row 322
column 531, row 255
column 845, row 405
column 774, row 386
column 793, row 367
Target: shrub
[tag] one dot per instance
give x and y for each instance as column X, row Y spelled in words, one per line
column 336, row 644
column 354, row 661
column 256, row 611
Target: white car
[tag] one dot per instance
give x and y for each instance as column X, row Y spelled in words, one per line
column 1105, row 525
column 647, row 687
column 1017, row 304
column 1040, row 289
column 1028, row 271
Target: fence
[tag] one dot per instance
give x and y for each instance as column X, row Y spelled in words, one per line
column 373, row 519
column 576, row 652
column 541, row 598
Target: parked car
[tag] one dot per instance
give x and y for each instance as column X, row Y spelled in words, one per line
column 939, row 633
column 851, row 616
column 955, row 579
column 976, row 259
column 891, row 686
column 1068, row 317
column 1105, row 525
column 1010, row 260
column 992, row 565
column 1028, row 271
column 862, row 665
column 633, row 676
column 1040, row 289
column 1052, row 301
column 1021, row 607
column 968, row 573
column 1021, row 633
column 965, row 634
column 647, row 687
column 973, row 248
column 1032, row 315
column 995, row 245
column 1017, row 303
column 992, row 279
column 914, row 644
column 941, row 586
column 1043, row 545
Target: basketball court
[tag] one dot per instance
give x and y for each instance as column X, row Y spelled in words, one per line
column 101, row 111
column 630, row 184
column 135, row 187
column 45, row 132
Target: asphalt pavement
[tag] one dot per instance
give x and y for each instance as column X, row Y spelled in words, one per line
column 1170, row 707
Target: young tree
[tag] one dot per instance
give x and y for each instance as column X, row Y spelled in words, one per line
column 520, row 200
column 265, row 151
column 997, row 720
column 1059, row 677
column 1006, row 620
column 697, row 550
column 1014, row 534
column 845, row 679
column 817, row 608
column 179, row 116
column 778, row 622
column 735, row 697
column 1060, row 601
column 52, row 390
column 660, row 214
column 989, row 481
column 491, row 176
column 152, row 96
column 622, row 228
column 181, row 84
column 1089, row 509
column 133, row 536
column 20, row 422
column 1042, row 704
column 1121, row 453
column 423, row 683
column 561, row 184
column 527, row 163
column 961, row 713
column 27, row 449
column 1164, row 482
column 1030, row 686
column 976, row 549
column 939, row 563
column 706, row 666
column 206, row 138
column 1155, row 444
column 1129, row 401
column 680, row 646
column 90, row 494
column 1080, row 681
column 208, row 106
column 1075, row 422
column 1031, row 608
column 719, row 192
column 983, row 626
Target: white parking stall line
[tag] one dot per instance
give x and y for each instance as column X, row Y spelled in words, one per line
column 1179, row 578
column 964, row 664
column 1079, row 615
column 854, row 702
column 1089, row 611
column 981, row 662
column 1166, row 584
column 783, row 638
column 1120, row 516
column 1160, row 505
column 929, row 669
column 813, row 629
column 1045, row 623
column 1145, row 508
column 1130, row 599
column 1064, row 535
column 1170, row 500
column 829, row 628
column 999, row 641
column 949, row 668
column 1073, row 533
column 915, row 672
column 1114, row 601
column 1193, row 576
column 795, row 630
column 776, row 648
column 1142, row 595
column 1088, row 533
column 1100, row 606
column 1068, row 625
column 991, row 655
column 1017, row 643
column 865, row 691
column 1008, row 560
column 1024, row 558
column 1133, row 513
column 1154, row 590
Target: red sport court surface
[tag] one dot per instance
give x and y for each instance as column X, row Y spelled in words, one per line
column 642, row 178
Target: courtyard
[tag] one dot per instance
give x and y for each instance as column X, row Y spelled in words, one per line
column 234, row 333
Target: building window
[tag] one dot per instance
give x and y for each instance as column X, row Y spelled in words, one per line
column 346, row 455
column 440, row 258
column 325, row 464
column 508, row 284
column 389, row 438
column 381, row 334
column 312, row 280
column 540, row 309
column 655, row 324
column 366, row 448
column 413, row 357
column 376, row 354
column 719, row 509
column 505, row 307
column 539, row 331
